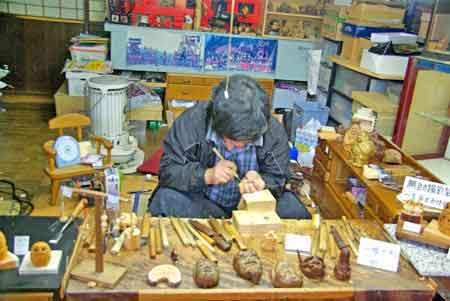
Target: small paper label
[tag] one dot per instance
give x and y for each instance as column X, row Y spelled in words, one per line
column 379, row 254
column 112, row 202
column 66, row 191
column 21, row 244
column 412, row 227
column 294, row 242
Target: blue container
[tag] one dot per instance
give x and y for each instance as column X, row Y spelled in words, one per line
column 304, row 111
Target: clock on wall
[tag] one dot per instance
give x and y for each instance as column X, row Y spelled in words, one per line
column 67, row 151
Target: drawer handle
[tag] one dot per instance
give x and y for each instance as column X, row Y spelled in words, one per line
column 184, row 92
column 186, row 81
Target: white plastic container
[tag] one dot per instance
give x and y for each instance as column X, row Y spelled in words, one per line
column 384, row 64
column 77, row 82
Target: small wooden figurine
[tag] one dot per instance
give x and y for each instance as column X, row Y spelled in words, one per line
column 412, row 212
column 40, row 254
column 342, row 270
column 350, row 136
column 285, row 275
column 206, row 273
column 312, row 267
column 362, row 150
column 444, row 220
column 270, row 241
column 248, row 265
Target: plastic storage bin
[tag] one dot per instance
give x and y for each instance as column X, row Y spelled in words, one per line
column 341, row 109
column 304, row 111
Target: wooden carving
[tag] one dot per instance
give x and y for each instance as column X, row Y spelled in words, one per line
column 248, row 265
column 362, row 150
column 286, row 275
column 392, row 156
column 342, row 269
column 350, row 136
column 412, row 212
column 40, row 254
column 444, row 220
column 3, row 246
column 165, row 273
column 206, row 273
column 312, row 267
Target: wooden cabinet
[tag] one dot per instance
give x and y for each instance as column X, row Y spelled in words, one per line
column 332, row 165
column 195, row 87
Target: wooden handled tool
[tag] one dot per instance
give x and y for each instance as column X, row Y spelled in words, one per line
column 205, row 251
column 347, row 228
column 118, row 244
column 145, row 226
column 332, row 242
column 158, row 246
column 217, row 226
column 315, row 242
column 337, row 238
column 323, row 239
column 176, row 225
column 228, row 226
column 189, row 237
column 215, row 151
column 341, row 230
column 152, row 243
column 219, row 240
column 164, row 238
column 197, row 237
column 207, row 238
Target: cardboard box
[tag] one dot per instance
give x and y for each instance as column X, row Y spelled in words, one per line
column 376, row 13
column 146, row 113
column 352, row 48
column 65, row 104
column 384, row 64
column 363, row 30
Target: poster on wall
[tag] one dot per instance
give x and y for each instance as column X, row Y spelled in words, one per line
column 247, row 54
column 165, row 49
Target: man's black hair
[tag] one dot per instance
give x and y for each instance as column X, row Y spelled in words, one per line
column 245, row 114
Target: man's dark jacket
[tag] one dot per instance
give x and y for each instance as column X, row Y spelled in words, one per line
column 187, row 153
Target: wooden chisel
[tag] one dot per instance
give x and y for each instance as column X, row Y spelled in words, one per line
column 221, row 243
column 228, row 226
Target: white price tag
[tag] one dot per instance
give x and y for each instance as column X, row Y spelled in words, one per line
column 66, row 191
column 379, row 254
column 112, row 202
column 412, row 227
column 294, row 242
column 21, row 244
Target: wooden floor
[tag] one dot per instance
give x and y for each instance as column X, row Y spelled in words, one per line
column 23, row 131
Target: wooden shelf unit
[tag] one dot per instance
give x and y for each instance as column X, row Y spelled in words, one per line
column 381, row 203
column 378, row 102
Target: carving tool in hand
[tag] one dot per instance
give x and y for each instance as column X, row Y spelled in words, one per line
column 197, row 237
column 73, row 216
column 219, row 155
column 219, row 240
column 228, row 226
column 217, row 226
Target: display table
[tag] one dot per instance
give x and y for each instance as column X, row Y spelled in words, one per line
column 33, row 287
column 365, row 284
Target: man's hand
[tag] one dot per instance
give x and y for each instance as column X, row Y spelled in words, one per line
column 222, row 173
column 252, row 182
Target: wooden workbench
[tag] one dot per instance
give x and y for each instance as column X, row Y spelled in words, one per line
column 365, row 284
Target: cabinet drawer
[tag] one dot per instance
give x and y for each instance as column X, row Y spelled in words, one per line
column 193, row 79
column 188, row 92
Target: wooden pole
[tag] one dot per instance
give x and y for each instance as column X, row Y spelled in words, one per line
column 98, row 235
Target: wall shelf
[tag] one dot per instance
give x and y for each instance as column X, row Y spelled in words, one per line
column 378, row 102
column 295, row 15
column 347, row 64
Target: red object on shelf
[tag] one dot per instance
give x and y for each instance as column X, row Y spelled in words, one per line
column 246, row 12
column 151, row 13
